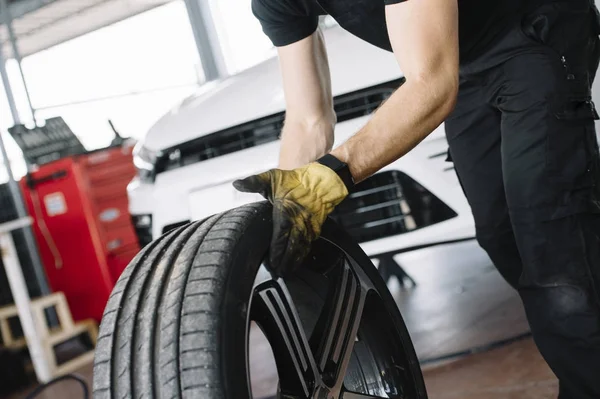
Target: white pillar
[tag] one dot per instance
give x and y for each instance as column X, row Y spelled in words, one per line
column 8, row 90
column 207, row 39
column 39, row 356
column 38, row 269
column 5, row 11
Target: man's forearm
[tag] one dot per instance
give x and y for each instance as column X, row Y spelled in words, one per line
column 304, row 141
column 415, row 110
column 310, row 119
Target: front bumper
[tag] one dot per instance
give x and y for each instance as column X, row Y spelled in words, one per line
column 422, row 203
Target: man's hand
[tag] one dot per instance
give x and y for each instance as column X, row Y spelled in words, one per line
column 302, row 199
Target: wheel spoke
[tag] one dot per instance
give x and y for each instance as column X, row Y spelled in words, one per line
column 335, row 333
column 274, row 311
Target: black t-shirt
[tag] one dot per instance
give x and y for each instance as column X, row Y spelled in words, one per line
column 480, row 21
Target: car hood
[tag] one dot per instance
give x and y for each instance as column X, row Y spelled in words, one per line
column 257, row 91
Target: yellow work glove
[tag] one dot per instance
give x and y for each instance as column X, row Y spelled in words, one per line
column 302, row 199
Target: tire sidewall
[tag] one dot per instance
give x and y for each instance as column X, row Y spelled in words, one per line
column 249, row 254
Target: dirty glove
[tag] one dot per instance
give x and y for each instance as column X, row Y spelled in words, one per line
column 302, row 199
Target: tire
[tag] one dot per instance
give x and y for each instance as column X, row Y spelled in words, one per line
column 176, row 323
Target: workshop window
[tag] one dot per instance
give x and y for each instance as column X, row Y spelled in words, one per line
column 132, row 115
column 240, row 35
column 132, row 72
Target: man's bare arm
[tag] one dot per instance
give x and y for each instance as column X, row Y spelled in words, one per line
column 310, row 119
column 424, row 37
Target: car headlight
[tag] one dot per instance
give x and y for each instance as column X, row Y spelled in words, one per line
column 144, row 161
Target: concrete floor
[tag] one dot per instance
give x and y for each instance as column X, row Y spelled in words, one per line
column 460, row 302
column 516, row 371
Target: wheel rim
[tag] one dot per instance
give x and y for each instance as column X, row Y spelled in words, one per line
column 352, row 349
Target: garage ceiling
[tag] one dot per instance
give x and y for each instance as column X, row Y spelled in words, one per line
column 39, row 24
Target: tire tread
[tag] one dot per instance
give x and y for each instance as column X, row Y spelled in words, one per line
column 165, row 311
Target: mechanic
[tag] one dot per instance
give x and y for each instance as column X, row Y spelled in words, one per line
column 512, row 81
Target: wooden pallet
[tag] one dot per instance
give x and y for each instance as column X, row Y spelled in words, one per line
column 51, row 336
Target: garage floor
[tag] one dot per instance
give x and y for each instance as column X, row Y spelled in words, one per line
column 460, row 302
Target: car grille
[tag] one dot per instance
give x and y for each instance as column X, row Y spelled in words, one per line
column 387, row 204
column 265, row 130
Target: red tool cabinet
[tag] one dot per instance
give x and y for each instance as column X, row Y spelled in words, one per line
column 82, row 224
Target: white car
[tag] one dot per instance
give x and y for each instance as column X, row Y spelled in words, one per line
column 188, row 160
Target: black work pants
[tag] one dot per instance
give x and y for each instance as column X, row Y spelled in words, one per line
column 523, row 143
